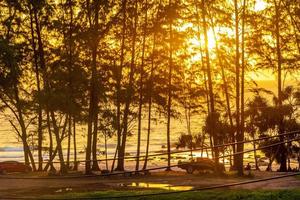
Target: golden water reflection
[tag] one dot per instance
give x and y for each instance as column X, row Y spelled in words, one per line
column 163, row 186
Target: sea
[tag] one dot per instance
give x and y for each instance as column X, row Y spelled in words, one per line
column 11, row 146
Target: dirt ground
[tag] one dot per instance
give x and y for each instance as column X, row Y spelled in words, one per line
column 157, row 180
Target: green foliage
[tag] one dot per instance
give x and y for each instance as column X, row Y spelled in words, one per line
column 263, row 118
column 10, row 57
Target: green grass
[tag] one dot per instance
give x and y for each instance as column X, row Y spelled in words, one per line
column 200, row 195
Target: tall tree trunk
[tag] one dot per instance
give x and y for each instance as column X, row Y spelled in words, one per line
column 50, row 142
column 238, row 159
column 90, row 129
column 58, row 138
column 40, row 130
column 150, row 93
column 70, row 84
column 283, row 152
column 225, row 83
column 149, row 121
column 93, row 103
column 95, row 166
column 74, row 144
column 118, row 84
column 106, row 158
column 204, row 71
column 47, row 87
column 58, row 147
column 169, row 104
column 69, row 141
column 91, row 109
column 37, row 75
column 210, row 85
column 129, row 92
column 141, row 87
column 27, row 151
column 242, row 124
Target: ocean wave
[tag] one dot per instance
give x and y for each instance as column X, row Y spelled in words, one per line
column 11, row 156
column 11, row 149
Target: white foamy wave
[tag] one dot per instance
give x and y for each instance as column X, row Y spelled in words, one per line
column 11, row 149
column 11, row 156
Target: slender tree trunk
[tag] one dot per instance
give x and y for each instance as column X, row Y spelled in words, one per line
column 115, row 154
column 89, row 133
column 27, row 151
column 188, row 126
column 74, row 143
column 118, row 88
column 53, row 155
column 190, row 133
column 69, row 141
column 225, row 83
column 93, row 104
column 106, row 161
column 39, row 109
column 169, row 104
column 63, row 168
column 70, row 84
column 150, row 94
column 36, row 55
column 202, row 144
column 238, row 159
column 47, row 88
column 50, row 142
column 40, row 131
column 42, row 63
column 95, row 166
column 91, row 107
column 204, row 72
column 149, row 126
column 129, row 92
column 242, row 124
column 141, row 87
column 118, row 84
column 210, row 85
column 283, row 156
column 230, row 159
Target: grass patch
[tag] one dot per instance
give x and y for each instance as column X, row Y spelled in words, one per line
column 200, row 195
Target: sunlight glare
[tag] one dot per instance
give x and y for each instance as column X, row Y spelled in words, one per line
column 260, row 5
column 211, row 41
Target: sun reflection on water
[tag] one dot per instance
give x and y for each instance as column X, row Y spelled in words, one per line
column 163, row 186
